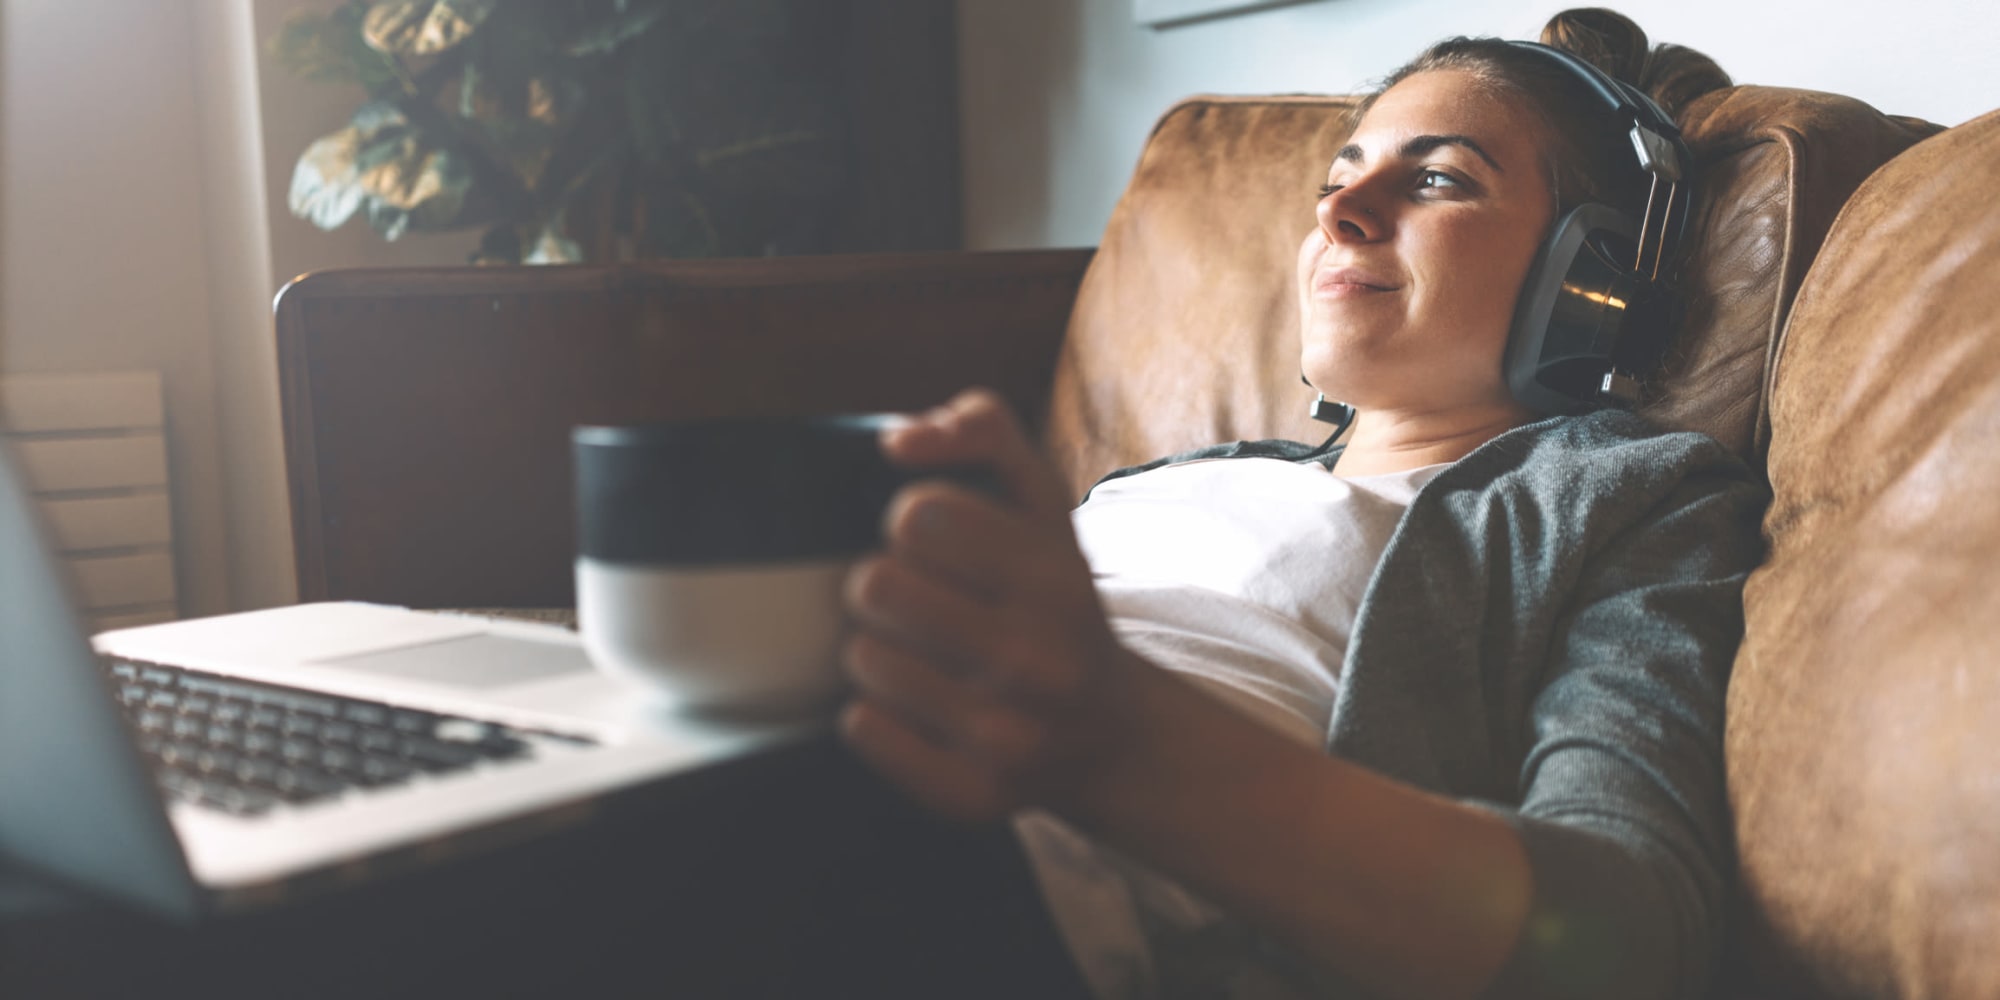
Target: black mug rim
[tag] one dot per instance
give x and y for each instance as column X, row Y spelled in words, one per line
column 664, row 432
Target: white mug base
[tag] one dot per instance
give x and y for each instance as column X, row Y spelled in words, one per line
column 753, row 641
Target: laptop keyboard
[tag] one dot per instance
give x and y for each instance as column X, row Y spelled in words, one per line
column 247, row 748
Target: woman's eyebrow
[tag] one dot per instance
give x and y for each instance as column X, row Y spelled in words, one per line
column 1419, row 145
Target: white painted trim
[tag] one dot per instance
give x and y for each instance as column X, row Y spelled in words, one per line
column 93, row 402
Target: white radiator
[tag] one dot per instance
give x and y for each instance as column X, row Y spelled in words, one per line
column 92, row 449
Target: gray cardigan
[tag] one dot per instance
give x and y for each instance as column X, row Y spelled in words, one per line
column 1549, row 635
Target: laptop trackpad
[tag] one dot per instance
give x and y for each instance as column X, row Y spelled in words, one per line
column 474, row 661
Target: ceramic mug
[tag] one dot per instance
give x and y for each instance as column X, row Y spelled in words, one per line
column 711, row 553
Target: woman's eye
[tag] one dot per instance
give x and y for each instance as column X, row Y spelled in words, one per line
column 1436, row 179
column 1328, row 189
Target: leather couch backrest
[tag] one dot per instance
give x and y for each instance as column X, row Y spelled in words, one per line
column 1864, row 717
column 1185, row 329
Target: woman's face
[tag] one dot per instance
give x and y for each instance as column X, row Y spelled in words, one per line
column 1430, row 217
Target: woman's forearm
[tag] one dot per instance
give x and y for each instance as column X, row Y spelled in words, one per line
column 1402, row 892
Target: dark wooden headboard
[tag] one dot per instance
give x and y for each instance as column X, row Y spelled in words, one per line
column 428, row 411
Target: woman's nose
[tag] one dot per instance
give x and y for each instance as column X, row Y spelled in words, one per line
column 1348, row 215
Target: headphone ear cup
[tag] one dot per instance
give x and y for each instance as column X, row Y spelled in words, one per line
column 1572, row 314
column 1652, row 315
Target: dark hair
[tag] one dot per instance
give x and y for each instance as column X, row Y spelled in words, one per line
column 1590, row 154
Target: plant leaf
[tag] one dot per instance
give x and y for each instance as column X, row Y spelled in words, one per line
column 423, row 27
column 326, row 188
column 423, row 189
column 552, row 247
column 329, row 184
column 392, row 25
column 450, row 22
column 382, row 163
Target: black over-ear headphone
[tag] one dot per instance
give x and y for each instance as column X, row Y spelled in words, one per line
column 1594, row 311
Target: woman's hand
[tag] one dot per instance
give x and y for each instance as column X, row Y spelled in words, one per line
column 985, row 670
column 989, row 681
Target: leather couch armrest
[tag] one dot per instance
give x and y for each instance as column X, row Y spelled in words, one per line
column 427, row 411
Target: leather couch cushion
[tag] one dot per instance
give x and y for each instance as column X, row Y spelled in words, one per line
column 1864, row 718
column 1185, row 330
column 1774, row 168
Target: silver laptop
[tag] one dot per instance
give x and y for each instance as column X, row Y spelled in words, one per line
column 231, row 762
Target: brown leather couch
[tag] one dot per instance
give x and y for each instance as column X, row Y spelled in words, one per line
column 1857, row 359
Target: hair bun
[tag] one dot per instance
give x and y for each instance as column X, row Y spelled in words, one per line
column 1672, row 75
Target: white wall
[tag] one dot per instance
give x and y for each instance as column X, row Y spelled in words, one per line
column 101, row 193
column 1058, row 95
column 145, row 153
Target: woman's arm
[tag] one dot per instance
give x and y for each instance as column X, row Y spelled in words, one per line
column 1401, row 892
column 989, row 681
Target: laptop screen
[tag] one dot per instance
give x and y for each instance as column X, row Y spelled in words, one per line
column 76, row 799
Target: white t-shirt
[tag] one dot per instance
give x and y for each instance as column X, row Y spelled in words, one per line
column 1243, row 574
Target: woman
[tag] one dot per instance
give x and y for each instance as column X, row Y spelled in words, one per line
column 1445, row 721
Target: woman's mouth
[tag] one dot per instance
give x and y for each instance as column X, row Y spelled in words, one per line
column 1342, row 282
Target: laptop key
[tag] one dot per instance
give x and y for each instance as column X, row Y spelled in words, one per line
column 178, row 754
column 384, row 770
column 415, row 723
column 298, row 784
column 365, row 714
column 209, row 762
column 499, row 747
column 257, row 771
column 339, row 761
column 326, row 707
column 433, row 755
column 376, row 740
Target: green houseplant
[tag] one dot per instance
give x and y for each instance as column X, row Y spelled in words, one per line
column 574, row 130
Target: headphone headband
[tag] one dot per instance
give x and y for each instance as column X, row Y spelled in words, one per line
column 1623, row 99
column 1656, row 143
